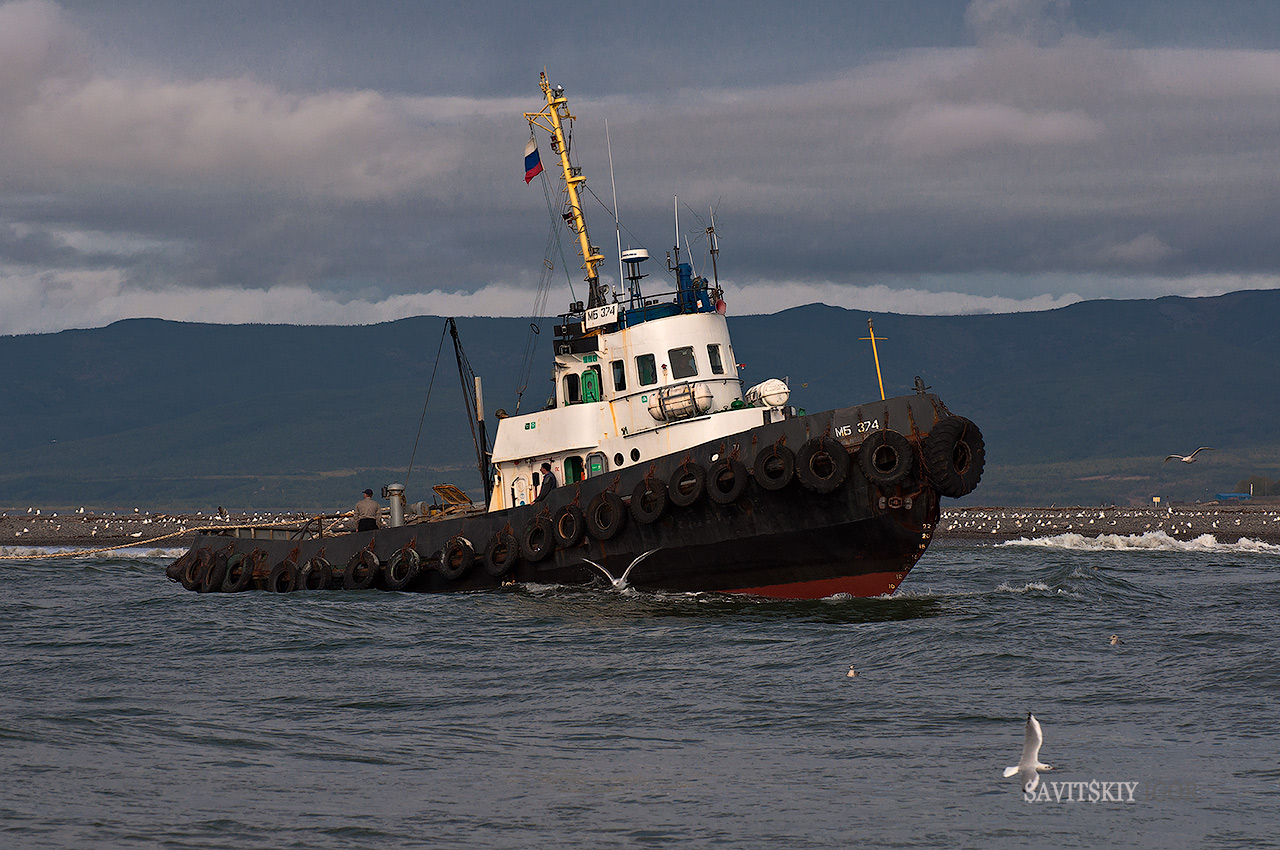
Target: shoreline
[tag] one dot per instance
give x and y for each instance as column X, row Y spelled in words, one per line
column 1226, row 523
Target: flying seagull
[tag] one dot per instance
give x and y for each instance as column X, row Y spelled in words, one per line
column 1191, row 458
column 620, row 583
column 1030, row 762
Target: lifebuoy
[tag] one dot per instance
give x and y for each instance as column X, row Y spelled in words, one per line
column 822, row 464
column 193, row 574
column 687, row 484
column 317, row 574
column 774, row 467
column 239, row 573
column 648, row 500
column 568, row 525
column 954, row 455
column 501, row 554
column 362, row 570
column 726, row 480
column 402, row 570
column 457, row 558
column 605, row 515
column 886, row 458
column 283, row 577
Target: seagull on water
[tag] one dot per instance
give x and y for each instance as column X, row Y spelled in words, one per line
column 1030, row 761
column 620, row 583
column 1191, row 458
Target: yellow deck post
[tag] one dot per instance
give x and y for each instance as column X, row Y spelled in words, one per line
column 874, row 353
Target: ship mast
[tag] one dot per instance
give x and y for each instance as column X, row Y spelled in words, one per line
column 551, row 119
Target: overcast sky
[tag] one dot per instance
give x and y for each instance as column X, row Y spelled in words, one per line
column 343, row 162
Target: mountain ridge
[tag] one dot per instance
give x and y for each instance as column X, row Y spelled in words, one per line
column 1078, row 404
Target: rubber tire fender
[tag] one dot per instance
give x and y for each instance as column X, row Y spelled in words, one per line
column 211, row 580
column 538, row 539
column 774, row 467
column 569, row 525
column 283, row 578
column 457, row 558
column 316, row 574
column 886, row 458
column 175, row 570
column 239, row 573
column 687, row 484
column 648, row 500
column 392, row 576
column 606, row 515
column 822, row 464
column 732, row 469
column 954, row 455
column 353, row 578
column 193, row 573
column 501, row 555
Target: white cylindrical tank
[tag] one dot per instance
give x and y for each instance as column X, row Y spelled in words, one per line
column 770, row 393
column 395, row 492
column 672, row 403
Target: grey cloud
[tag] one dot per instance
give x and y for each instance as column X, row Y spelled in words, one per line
column 1053, row 158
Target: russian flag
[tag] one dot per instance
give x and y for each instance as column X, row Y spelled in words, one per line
column 532, row 162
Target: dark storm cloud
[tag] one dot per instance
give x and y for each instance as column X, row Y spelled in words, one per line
column 334, row 161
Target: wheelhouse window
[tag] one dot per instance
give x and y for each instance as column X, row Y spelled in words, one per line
column 683, row 364
column 646, row 370
column 619, row 375
column 571, row 389
column 713, row 355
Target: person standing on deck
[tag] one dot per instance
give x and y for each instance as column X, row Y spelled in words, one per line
column 367, row 511
column 549, row 482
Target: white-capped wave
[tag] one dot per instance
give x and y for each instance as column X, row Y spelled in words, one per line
column 141, row 553
column 1149, row 541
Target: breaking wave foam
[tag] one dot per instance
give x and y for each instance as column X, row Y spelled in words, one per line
column 141, row 553
column 1148, row 541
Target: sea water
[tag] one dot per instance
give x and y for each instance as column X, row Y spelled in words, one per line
column 136, row 714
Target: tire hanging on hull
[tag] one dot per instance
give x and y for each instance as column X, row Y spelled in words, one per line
column 886, row 458
column 606, row 515
column 954, row 456
column 822, row 464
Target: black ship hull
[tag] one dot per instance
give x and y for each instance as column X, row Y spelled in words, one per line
column 799, row 508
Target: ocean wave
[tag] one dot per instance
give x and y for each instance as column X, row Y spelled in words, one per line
column 1147, row 541
column 138, row 553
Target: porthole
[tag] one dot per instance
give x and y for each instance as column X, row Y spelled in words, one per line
column 617, row 459
column 635, row 455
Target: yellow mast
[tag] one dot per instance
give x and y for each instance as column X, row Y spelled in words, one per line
column 552, row 119
column 871, row 329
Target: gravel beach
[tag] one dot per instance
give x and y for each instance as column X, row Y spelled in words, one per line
column 1226, row 523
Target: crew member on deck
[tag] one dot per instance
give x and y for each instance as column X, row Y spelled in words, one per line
column 549, row 482
column 367, row 511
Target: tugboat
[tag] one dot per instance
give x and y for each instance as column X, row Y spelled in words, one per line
column 671, row 476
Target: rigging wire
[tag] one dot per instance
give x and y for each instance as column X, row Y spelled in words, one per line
column 424, row 405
